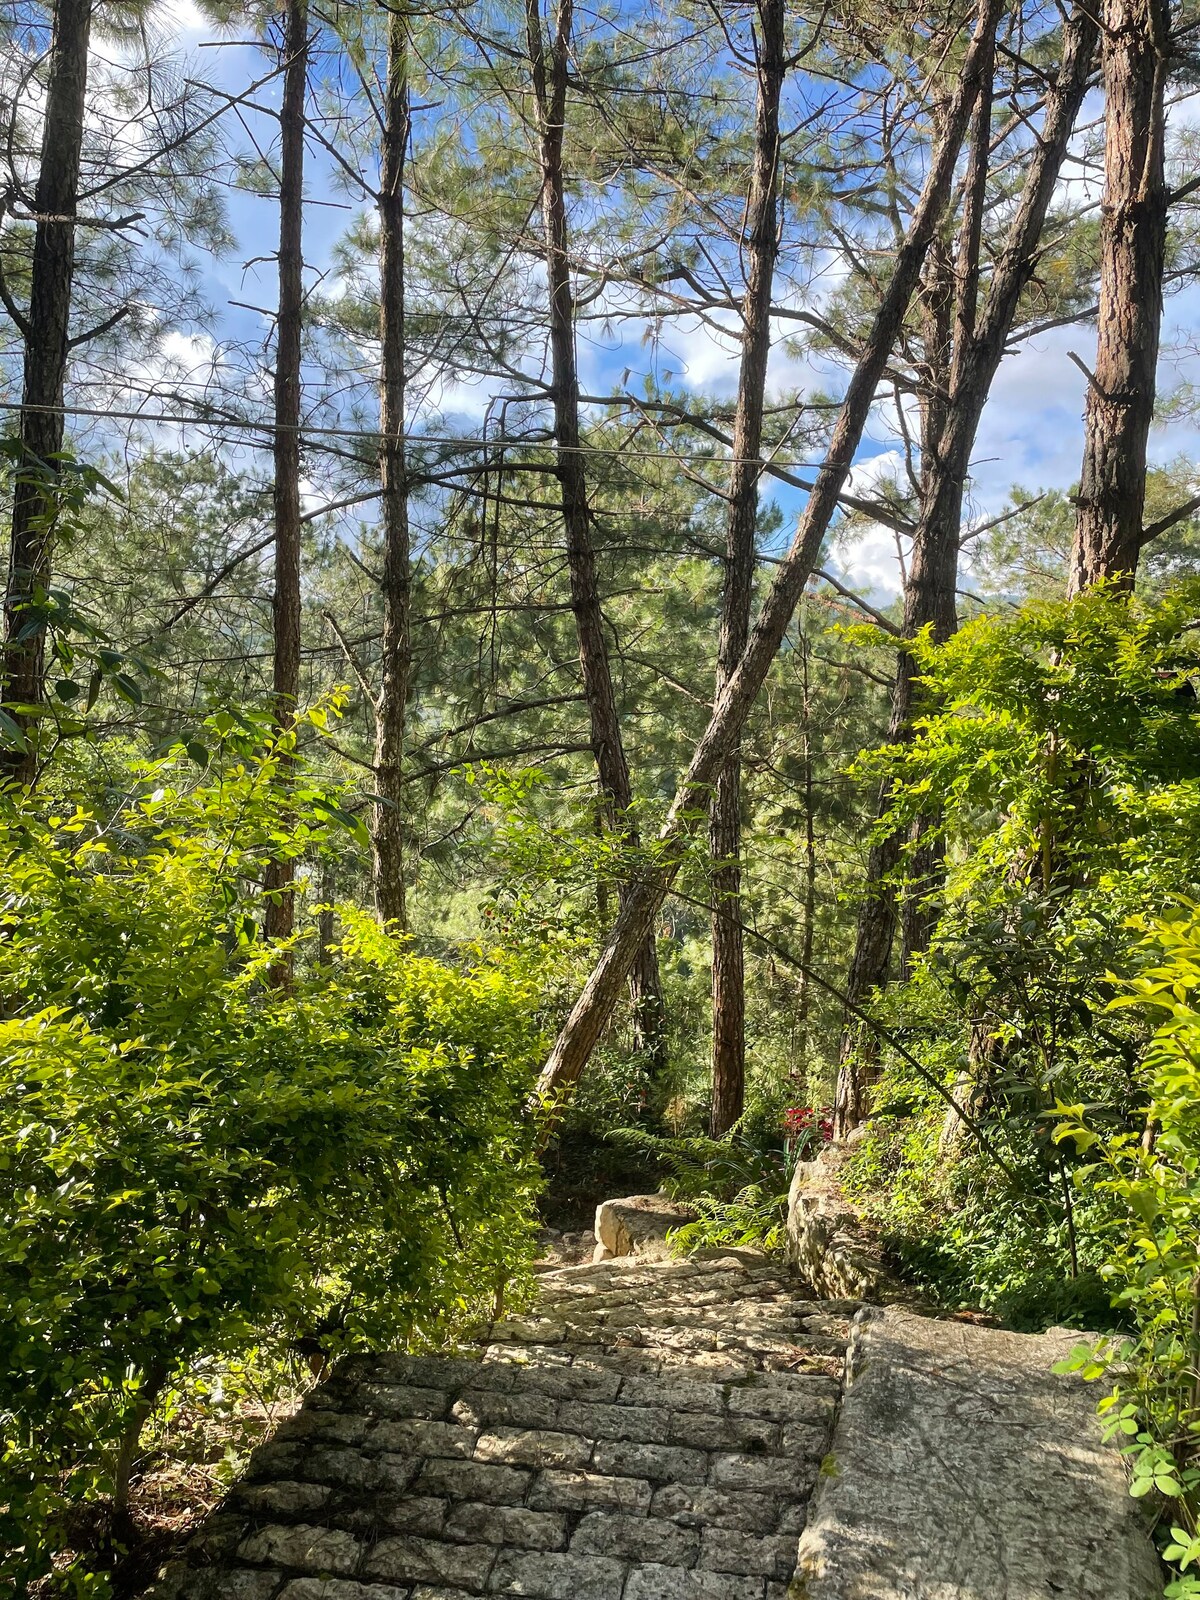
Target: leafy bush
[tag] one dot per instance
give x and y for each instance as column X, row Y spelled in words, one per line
column 755, row 1217
column 959, row 1233
column 1153, row 1174
column 738, row 1185
column 556, row 879
column 697, row 1166
column 1058, row 757
column 194, row 1161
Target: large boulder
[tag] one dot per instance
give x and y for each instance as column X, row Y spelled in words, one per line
column 963, row 1468
column 828, row 1244
column 638, row 1226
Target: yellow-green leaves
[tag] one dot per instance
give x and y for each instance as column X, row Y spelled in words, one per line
column 194, row 1163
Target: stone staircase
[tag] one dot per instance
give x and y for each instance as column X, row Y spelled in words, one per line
column 670, row 1431
column 653, row 1433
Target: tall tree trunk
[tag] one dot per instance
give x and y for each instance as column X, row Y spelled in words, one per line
column 919, row 910
column 387, row 837
column 760, row 247
column 978, row 349
column 281, row 908
column 808, row 782
column 326, row 917
column 578, row 1036
column 933, row 566
column 550, row 96
column 47, row 345
column 1120, row 395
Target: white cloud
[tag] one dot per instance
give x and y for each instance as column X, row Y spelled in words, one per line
column 703, row 354
column 871, row 473
column 868, row 562
column 181, row 367
column 450, row 400
column 181, row 22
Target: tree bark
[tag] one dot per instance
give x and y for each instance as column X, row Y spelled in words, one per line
column 978, row 349
column 326, row 916
column 578, row 1036
column 1133, row 228
column 281, row 907
column 760, row 247
column 47, row 344
column 549, row 79
column 391, row 705
column 808, row 939
column 919, row 910
column 933, row 565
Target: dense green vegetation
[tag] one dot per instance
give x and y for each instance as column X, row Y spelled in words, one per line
column 201, row 1167
column 460, row 742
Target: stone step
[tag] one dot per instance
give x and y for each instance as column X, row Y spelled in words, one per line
column 671, row 1431
column 649, row 1432
column 962, row 1468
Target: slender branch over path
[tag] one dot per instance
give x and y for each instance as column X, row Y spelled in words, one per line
column 810, row 973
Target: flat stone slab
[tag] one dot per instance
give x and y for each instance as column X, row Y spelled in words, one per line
column 962, row 1468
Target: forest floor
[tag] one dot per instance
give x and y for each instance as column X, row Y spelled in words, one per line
column 582, row 1170
column 182, row 1478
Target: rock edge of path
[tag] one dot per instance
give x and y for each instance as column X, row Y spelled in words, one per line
column 638, row 1225
column 963, row 1468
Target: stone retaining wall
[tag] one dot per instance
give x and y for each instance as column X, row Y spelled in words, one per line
column 827, row 1242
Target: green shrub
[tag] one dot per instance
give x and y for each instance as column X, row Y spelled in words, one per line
column 1153, row 1266
column 738, row 1185
column 194, row 1162
column 960, row 1229
column 1058, row 758
column 697, row 1166
column 755, row 1218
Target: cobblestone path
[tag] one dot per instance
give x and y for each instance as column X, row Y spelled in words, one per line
column 652, row 1432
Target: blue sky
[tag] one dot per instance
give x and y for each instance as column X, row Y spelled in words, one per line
column 1031, row 432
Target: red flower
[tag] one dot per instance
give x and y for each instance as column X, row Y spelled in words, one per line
column 803, row 1122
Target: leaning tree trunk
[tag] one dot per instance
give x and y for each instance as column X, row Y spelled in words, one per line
column 600, row 994
column 391, row 704
column 281, row 906
column 760, row 246
column 978, row 347
column 612, row 767
column 45, row 329
column 1133, row 228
